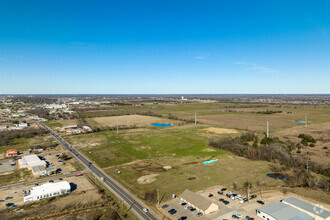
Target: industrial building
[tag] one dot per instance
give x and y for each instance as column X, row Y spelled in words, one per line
column 314, row 210
column 48, row 190
column 281, row 211
column 30, row 161
column 199, row 202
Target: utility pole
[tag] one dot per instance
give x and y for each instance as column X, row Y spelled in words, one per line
column 306, row 120
column 249, row 192
column 117, row 126
column 267, row 129
column 158, row 196
column 195, row 119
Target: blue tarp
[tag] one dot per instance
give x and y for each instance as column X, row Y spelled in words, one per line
column 162, row 125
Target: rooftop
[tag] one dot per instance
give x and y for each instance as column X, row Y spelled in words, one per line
column 50, row 188
column 283, row 211
column 196, row 200
column 307, row 206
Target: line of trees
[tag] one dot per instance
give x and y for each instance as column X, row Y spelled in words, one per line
column 6, row 137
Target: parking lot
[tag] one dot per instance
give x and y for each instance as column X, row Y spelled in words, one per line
column 5, row 166
column 224, row 212
column 64, row 166
column 79, row 185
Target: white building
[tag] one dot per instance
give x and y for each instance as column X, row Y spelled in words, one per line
column 30, row 161
column 48, row 190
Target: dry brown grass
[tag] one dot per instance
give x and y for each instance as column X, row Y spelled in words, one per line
column 126, row 120
column 245, row 121
column 318, row 131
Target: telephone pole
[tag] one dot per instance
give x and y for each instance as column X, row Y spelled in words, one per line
column 267, row 129
column 249, row 192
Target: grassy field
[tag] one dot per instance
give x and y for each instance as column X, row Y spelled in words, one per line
column 58, row 123
column 127, row 120
column 170, row 159
column 22, row 144
column 141, row 144
column 191, row 173
column 15, row 177
column 175, row 154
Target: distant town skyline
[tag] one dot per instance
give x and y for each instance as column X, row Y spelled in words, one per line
column 165, row 47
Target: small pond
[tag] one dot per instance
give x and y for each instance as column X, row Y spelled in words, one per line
column 276, row 176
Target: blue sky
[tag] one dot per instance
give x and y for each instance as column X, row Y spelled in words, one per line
column 164, row 47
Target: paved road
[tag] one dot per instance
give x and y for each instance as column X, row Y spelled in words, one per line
column 130, row 200
column 40, row 180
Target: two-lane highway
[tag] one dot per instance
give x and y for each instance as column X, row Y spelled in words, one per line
column 136, row 205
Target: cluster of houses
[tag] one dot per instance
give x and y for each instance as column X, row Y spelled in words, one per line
column 19, row 126
column 74, row 129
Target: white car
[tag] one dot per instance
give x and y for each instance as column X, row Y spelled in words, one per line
column 232, row 197
column 238, row 215
column 241, row 201
column 145, row 210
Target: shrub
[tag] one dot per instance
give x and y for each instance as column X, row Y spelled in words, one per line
column 325, row 148
column 298, row 151
column 312, row 145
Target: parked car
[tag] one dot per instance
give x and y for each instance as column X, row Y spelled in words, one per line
column 193, row 209
column 235, row 216
column 36, row 184
column 188, row 207
column 2, row 200
column 60, row 179
column 9, row 204
column 221, row 200
column 253, row 196
column 225, row 202
column 239, row 215
column 51, row 181
column 220, row 193
column 164, row 206
column 223, row 189
column 210, row 195
column 13, row 206
column 145, row 210
column 79, row 174
column 8, row 197
column 181, row 202
column 199, row 214
column 262, row 202
column 172, row 211
column 182, row 218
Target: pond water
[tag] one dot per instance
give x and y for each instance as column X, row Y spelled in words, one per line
column 162, row 125
column 276, row 176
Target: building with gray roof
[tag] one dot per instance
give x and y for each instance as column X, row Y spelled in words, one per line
column 282, row 211
column 315, row 210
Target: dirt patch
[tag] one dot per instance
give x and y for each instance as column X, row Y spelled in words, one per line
column 208, row 150
column 220, row 130
column 167, row 167
column 147, row 179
